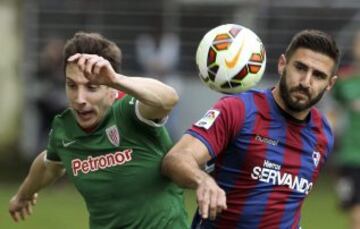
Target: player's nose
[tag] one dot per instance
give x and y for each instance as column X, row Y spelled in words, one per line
column 80, row 96
column 306, row 79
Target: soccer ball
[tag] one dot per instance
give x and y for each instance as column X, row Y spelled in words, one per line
column 231, row 59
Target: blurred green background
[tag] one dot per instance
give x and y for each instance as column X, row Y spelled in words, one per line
column 61, row 207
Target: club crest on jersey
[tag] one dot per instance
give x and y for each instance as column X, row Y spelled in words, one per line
column 316, row 158
column 208, row 120
column 113, row 135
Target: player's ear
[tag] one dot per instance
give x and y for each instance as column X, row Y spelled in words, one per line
column 114, row 93
column 281, row 64
column 332, row 82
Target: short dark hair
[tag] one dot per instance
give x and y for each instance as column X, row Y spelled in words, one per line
column 317, row 41
column 93, row 43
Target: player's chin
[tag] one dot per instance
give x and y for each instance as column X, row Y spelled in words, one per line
column 299, row 106
column 87, row 123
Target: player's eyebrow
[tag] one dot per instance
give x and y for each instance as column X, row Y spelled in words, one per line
column 316, row 72
column 68, row 79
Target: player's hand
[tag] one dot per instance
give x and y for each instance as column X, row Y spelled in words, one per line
column 21, row 208
column 211, row 198
column 95, row 68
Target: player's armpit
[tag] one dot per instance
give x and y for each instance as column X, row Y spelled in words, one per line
column 144, row 112
column 54, row 167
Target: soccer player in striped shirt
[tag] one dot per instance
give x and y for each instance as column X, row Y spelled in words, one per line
column 267, row 146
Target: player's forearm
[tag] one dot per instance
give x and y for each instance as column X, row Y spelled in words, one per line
column 148, row 91
column 183, row 170
column 38, row 177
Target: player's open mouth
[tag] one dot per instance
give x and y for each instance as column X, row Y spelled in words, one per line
column 85, row 115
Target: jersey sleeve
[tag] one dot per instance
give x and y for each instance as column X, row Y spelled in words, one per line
column 51, row 154
column 128, row 107
column 220, row 124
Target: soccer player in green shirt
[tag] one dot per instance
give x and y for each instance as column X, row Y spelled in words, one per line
column 110, row 148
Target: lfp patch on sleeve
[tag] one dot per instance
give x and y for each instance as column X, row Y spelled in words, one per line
column 208, row 120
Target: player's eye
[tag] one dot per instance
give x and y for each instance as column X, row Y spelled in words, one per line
column 300, row 67
column 92, row 87
column 70, row 85
column 320, row 75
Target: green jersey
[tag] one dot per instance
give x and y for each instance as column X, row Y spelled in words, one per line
column 347, row 92
column 116, row 168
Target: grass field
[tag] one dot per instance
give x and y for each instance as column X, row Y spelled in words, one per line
column 61, row 207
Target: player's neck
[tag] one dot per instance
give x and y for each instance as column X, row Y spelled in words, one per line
column 88, row 129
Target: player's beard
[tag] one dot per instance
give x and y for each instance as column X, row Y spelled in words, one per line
column 292, row 104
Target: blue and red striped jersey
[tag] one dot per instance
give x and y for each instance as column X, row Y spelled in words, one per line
column 265, row 160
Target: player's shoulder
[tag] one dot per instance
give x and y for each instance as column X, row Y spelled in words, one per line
column 61, row 121
column 316, row 114
column 58, row 127
column 62, row 117
column 123, row 98
column 246, row 95
column 123, row 106
column 320, row 120
column 120, row 95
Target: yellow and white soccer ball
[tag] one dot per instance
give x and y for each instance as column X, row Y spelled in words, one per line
column 231, row 59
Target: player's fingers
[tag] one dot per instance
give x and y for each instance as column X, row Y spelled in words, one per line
column 81, row 61
column 99, row 65
column 213, row 204
column 88, row 56
column 74, row 57
column 28, row 209
column 22, row 213
column 199, row 198
column 17, row 216
column 204, row 203
column 221, row 201
column 34, row 199
column 13, row 215
column 90, row 64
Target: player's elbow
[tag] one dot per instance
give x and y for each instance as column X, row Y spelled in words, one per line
column 170, row 100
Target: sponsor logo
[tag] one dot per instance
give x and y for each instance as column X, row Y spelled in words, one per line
column 316, row 158
column 270, row 173
column 93, row 164
column 67, row 144
column 266, row 140
column 208, row 120
column 113, row 135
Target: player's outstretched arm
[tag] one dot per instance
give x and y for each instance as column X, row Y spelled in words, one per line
column 156, row 99
column 183, row 165
column 40, row 175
